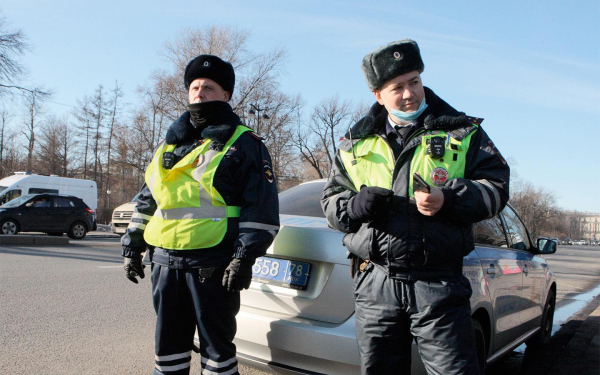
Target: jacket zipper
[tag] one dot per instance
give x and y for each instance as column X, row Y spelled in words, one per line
column 394, row 175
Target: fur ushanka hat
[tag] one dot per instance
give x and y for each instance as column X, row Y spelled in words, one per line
column 211, row 67
column 390, row 61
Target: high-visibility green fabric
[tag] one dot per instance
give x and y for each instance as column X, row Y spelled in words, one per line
column 191, row 213
column 370, row 162
column 451, row 165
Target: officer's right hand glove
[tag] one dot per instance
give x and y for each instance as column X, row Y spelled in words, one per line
column 238, row 275
column 134, row 267
column 369, row 202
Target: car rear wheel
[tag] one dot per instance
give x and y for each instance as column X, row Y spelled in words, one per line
column 78, row 230
column 481, row 346
column 10, row 226
column 545, row 333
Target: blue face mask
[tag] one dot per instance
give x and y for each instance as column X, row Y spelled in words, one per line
column 409, row 116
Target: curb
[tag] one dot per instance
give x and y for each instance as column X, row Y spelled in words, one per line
column 582, row 353
column 33, row 240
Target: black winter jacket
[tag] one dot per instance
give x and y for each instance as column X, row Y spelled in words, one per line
column 405, row 242
column 243, row 178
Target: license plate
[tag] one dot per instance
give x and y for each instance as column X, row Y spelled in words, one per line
column 282, row 272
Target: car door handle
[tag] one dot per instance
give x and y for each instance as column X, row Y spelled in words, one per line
column 491, row 270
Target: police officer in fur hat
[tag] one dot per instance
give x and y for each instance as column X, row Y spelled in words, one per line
column 409, row 180
column 207, row 210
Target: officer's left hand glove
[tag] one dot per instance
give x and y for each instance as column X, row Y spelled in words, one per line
column 238, row 275
column 134, row 267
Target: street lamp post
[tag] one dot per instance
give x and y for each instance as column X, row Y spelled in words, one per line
column 254, row 113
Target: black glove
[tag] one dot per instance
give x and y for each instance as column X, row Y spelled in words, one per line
column 134, row 267
column 238, row 275
column 369, row 202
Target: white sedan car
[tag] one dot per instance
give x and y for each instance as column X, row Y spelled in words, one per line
column 298, row 315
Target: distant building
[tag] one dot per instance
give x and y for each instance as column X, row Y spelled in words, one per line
column 590, row 226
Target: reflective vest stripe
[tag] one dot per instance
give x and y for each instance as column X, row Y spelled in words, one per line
column 172, row 357
column 215, row 364
column 252, row 225
column 174, row 367
column 192, row 213
column 486, row 196
column 135, row 225
column 138, row 215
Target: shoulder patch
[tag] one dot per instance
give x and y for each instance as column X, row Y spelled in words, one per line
column 269, row 176
column 475, row 120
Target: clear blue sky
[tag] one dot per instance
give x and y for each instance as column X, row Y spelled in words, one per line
column 530, row 68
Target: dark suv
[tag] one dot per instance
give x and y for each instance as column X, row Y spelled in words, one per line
column 50, row 213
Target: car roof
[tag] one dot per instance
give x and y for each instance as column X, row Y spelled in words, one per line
column 55, row 195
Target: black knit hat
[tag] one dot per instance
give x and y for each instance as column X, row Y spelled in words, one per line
column 211, row 67
column 391, row 61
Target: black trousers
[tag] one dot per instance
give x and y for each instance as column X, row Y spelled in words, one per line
column 391, row 313
column 183, row 302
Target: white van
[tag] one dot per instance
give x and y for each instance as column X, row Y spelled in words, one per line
column 22, row 183
column 122, row 216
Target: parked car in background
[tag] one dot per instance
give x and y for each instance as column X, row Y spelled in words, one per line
column 22, row 183
column 298, row 315
column 50, row 213
column 121, row 216
column 567, row 241
column 555, row 240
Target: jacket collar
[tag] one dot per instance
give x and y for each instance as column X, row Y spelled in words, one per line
column 182, row 130
column 438, row 115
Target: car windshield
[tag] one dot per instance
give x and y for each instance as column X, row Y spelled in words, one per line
column 2, row 188
column 18, row 201
column 303, row 200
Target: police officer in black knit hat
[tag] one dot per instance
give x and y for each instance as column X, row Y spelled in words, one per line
column 408, row 182
column 207, row 210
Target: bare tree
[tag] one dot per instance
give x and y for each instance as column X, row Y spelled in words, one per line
column 98, row 114
column 5, row 116
column 255, row 72
column 34, row 102
column 12, row 46
column 54, row 148
column 83, row 115
column 535, row 205
column 113, row 113
column 317, row 141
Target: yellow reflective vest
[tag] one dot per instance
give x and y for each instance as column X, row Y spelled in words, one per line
column 370, row 161
column 190, row 214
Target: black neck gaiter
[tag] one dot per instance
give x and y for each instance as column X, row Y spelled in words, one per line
column 207, row 113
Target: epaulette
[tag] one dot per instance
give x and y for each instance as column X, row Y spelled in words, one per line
column 475, row 120
column 256, row 136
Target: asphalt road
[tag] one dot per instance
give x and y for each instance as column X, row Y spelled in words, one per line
column 70, row 310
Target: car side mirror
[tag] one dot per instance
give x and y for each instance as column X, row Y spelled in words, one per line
column 546, row 246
